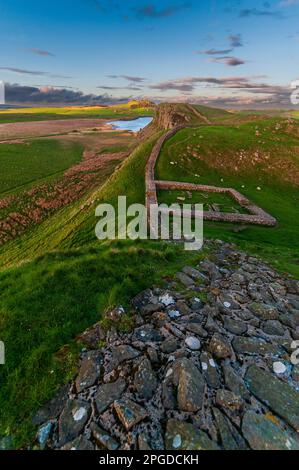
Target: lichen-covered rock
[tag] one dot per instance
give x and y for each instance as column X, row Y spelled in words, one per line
column 107, row 393
column 220, row 347
column 89, row 371
column 184, row 436
column 145, row 381
column 277, row 395
column 191, row 386
column 72, row 420
column 129, row 412
column 263, row 434
column 254, row 346
column 103, row 438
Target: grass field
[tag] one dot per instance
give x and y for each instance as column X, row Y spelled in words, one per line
column 264, row 167
column 27, row 164
column 58, row 279
column 130, row 110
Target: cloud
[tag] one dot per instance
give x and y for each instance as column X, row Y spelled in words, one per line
column 32, row 72
column 256, row 12
column 289, row 3
column 150, row 11
column 114, row 88
column 41, row 52
column 235, row 40
column 228, row 60
column 130, row 78
column 215, row 51
column 48, row 95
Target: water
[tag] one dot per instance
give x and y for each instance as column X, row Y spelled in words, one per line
column 134, row 125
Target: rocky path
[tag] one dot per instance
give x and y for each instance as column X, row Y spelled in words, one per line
column 211, row 363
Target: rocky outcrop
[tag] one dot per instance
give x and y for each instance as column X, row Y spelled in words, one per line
column 202, row 368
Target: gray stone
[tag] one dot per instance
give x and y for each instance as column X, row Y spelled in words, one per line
column 80, row 443
column 185, row 280
column 234, row 382
column 209, row 370
column 234, row 326
column 253, row 346
column 143, row 442
column 107, row 393
column 192, row 343
column 197, row 329
column 43, row 434
column 182, row 307
column 147, row 333
column 277, row 395
column 129, row 412
column 72, row 420
column 229, row 400
column 169, row 345
column 115, row 314
column 263, row 434
column 230, row 438
column 184, row 436
column 273, row 328
column 89, row 371
column 264, row 311
column 102, row 438
column 194, row 273
column 220, row 347
column 53, row 408
column 145, row 381
column 292, row 286
column 168, row 395
column 190, row 386
column 120, row 354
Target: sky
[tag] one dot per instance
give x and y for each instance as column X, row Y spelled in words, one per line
column 228, row 53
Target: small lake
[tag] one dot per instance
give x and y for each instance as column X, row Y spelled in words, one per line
column 134, row 125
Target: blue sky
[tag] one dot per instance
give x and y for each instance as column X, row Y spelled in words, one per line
column 225, row 52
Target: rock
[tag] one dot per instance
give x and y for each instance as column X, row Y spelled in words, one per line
column 149, row 309
column 129, row 413
column 143, row 442
column 107, row 393
column 80, row 443
column 169, row 345
column 122, row 353
column 273, row 328
column 197, row 329
column 235, row 327
column 229, row 400
column 147, row 333
column 153, row 355
column 196, row 304
column 143, row 298
column 185, row 280
column 292, row 286
column 43, row 434
column 277, row 395
column 145, row 381
column 263, row 434
column 230, row 438
column 72, row 420
column 295, row 373
column 279, row 368
column 166, row 299
column 168, row 395
column 264, row 311
column 192, row 343
column 102, row 438
column 234, row 382
column 182, row 307
column 89, row 371
column 219, row 347
column 238, row 278
column 191, row 386
column 92, row 336
column 194, row 273
column 253, row 346
column 184, row 436
column 53, row 408
column 209, row 370
column 173, row 314
column 115, row 314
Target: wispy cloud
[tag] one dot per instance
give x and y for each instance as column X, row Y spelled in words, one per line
column 151, row 11
column 41, row 52
column 130, row 78
column 228, row 60
column 245, row 13
column 235, row 40
column 39, row 73
column 215, row 51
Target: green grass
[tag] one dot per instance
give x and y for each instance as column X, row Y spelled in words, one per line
column 47, row 302
column 43, row 114
column 218, row 149
column 24, row 165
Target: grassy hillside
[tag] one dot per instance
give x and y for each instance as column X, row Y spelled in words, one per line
column 23, row 165
column 130, row 110
column 259, row 159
